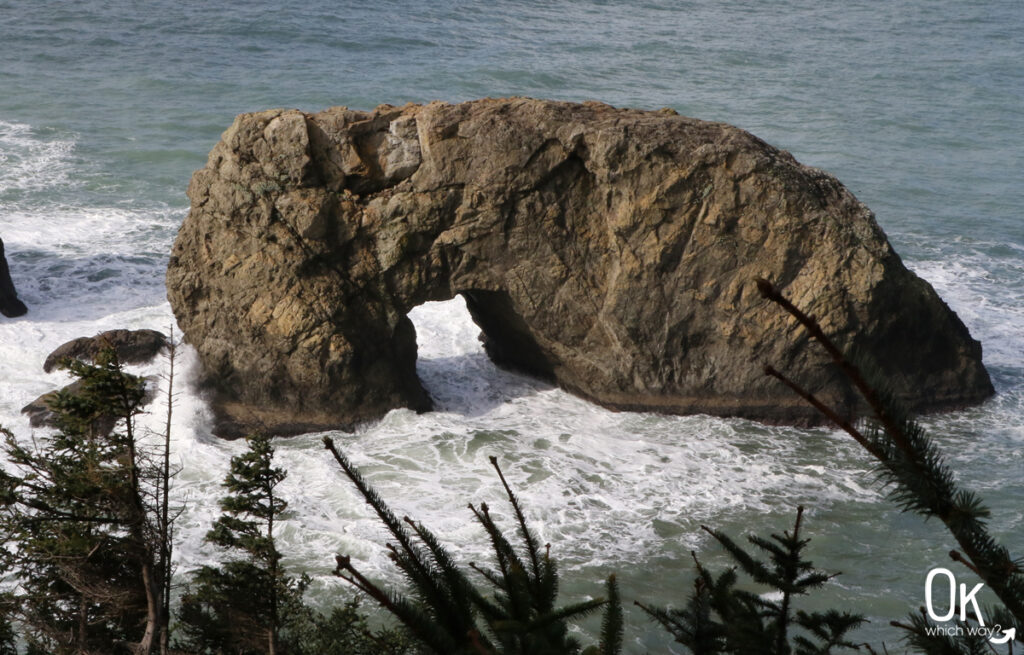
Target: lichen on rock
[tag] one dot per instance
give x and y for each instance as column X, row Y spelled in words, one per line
column 611, row 251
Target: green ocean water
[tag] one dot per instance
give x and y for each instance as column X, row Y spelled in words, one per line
column 107, row 108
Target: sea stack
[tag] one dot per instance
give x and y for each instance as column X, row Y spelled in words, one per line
column 10, row 306
column 610, row 251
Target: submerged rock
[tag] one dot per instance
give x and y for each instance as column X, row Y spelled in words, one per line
column 10, row 306
column 610, row 251
column 131, row 346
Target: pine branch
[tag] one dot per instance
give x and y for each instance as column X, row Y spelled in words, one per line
column 460, row 592
column 522, row 619
column 752, row 567
column 611, row 623
column 912, row 463
column 524, row 530
column 508, row 560
column 416, row 566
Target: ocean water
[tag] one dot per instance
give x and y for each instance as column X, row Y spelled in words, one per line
column 106, row 108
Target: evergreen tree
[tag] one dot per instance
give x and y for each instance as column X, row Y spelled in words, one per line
column 249, row 603
column 8, row 638
column 79, row 511
column 165, row 513
column 612, row 627
column 720, row 618
column 695, row 625
column 347, row 631
column 919, row 481
column 786, row 572
column 448, row 615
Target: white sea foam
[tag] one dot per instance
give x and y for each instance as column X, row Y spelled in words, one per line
column 82, row 231
column 986, row 289
column 31, row 161
column 604, row 487
column 984, row 283
column 73, row 263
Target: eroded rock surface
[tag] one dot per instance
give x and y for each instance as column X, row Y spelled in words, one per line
column 611, row 251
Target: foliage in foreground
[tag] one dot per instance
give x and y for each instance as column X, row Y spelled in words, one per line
column 449, row 615
column 347, row 631
column 8, row 638
column 249, row 605
column 244, row 605
column 720, row 618
column 83, row 517
column 85, row 532
column 919, row 481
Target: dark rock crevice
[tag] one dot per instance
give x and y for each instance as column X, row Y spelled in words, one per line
column 506, row 336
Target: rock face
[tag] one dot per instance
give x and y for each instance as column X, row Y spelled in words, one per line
column 10, row 306
column 610, row 251
column 131, row 346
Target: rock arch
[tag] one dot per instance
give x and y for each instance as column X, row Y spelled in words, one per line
column 608, row 250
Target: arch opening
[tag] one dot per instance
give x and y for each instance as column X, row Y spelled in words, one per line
column 454, row 364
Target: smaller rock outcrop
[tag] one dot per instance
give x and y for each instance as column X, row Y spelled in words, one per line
column 131, row 346
column 40, row 413
column 10, row 306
